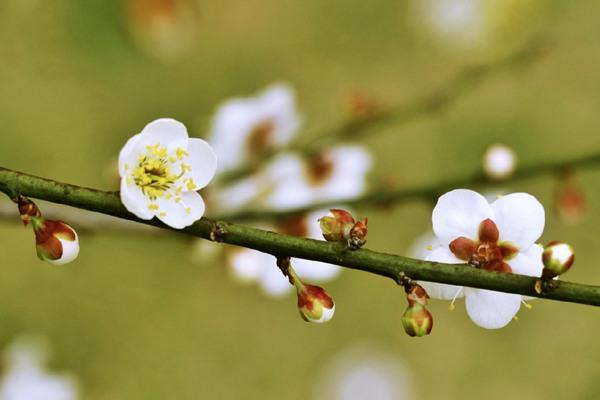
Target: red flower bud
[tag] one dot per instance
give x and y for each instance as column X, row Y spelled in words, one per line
column 417, row 320
column 343, row 227
column 314, row 303
column 558, row 258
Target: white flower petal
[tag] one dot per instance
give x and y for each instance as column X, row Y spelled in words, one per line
column 180, row 214
column 528, row 262
column 203, row 162
column 70, row 251
column 239, row 193
column 128, row 156
column 315, row 270
column 423, row 245
column 459, row 213
column 272, row 281
column 134, row 200
column 348, row 178
column 247, row 265
column 442, row 291
column 490, row 309
column 519, row 218
column 168, row 132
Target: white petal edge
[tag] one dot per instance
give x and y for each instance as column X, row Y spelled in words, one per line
column 166, row 131
column 128, row 156
column 185, row 213
column 442, row 291
column 459, row 213
column 528, row 262
column 134, row 200
column 70, row 251
column 520, row 218
column 489, row 309
column 203, row 161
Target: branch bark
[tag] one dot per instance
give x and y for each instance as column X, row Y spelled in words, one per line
column 387, row 265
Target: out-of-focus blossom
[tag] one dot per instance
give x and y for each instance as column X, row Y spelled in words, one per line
column 335, row 174
column 472, row 24
column 25, row 377
column 161, row 170
column 497, row 237
column 499, row 161
column 246, row 128
column 570, row 204
column 249, row 265
column 361, row 372
column 164, row 29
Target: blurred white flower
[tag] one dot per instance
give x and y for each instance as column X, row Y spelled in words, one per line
column 472, row 24
column 245, row 127
column 497, row 237
column 499, row 161
column 161, row 169
column 338, row 173
column 364, row 372
column 25, row 377
column 248, row 265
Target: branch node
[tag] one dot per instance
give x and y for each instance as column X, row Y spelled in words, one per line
column 217, row 232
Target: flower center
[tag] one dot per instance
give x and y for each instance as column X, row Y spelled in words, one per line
column 320, row 168
column 261, row 137
column 154, row 175
column 486, row 252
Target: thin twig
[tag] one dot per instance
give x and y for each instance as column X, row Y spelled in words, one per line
column 13, row 183
column 383, row 196
column 442, row 98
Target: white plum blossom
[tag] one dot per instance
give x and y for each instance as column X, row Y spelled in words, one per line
column 243, row 127
column 499, row 161
column 161, row 170
column 249, row 265
column 498, row 237
column 338, row 173
column 25, row 377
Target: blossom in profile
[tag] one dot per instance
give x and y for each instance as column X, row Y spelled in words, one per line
column 497, row 237
column 335, row 174
column 161, row 171
column 499, row 162
column 251, row 266
column 248, row 127
column 26, row 378
column 55, row 241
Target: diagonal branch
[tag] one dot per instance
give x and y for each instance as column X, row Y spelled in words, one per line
column 387, row 265
column 435, row 102
column 385, row 197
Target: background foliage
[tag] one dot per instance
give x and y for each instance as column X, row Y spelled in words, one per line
column 138, row 317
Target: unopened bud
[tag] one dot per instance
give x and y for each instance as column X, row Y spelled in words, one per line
column 416, row 294
column 343, row 227
column 314, row 303
column 417, row 320
column 358, row 234
column 55, row 241
column 28, row 210
column 570, row 199
column 557, row 258
column 499, row 161
column 337, row 228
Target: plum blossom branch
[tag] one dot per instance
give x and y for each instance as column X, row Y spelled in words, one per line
column 14, row 183
column 465, row 80
column 384, row 197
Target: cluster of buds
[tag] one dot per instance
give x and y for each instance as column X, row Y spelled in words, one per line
column 342, row 227
column 557, row 258
column 416, row 320
column 55, row 241
column 314, row 303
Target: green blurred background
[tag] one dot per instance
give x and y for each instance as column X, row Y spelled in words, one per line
column 136, row 317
